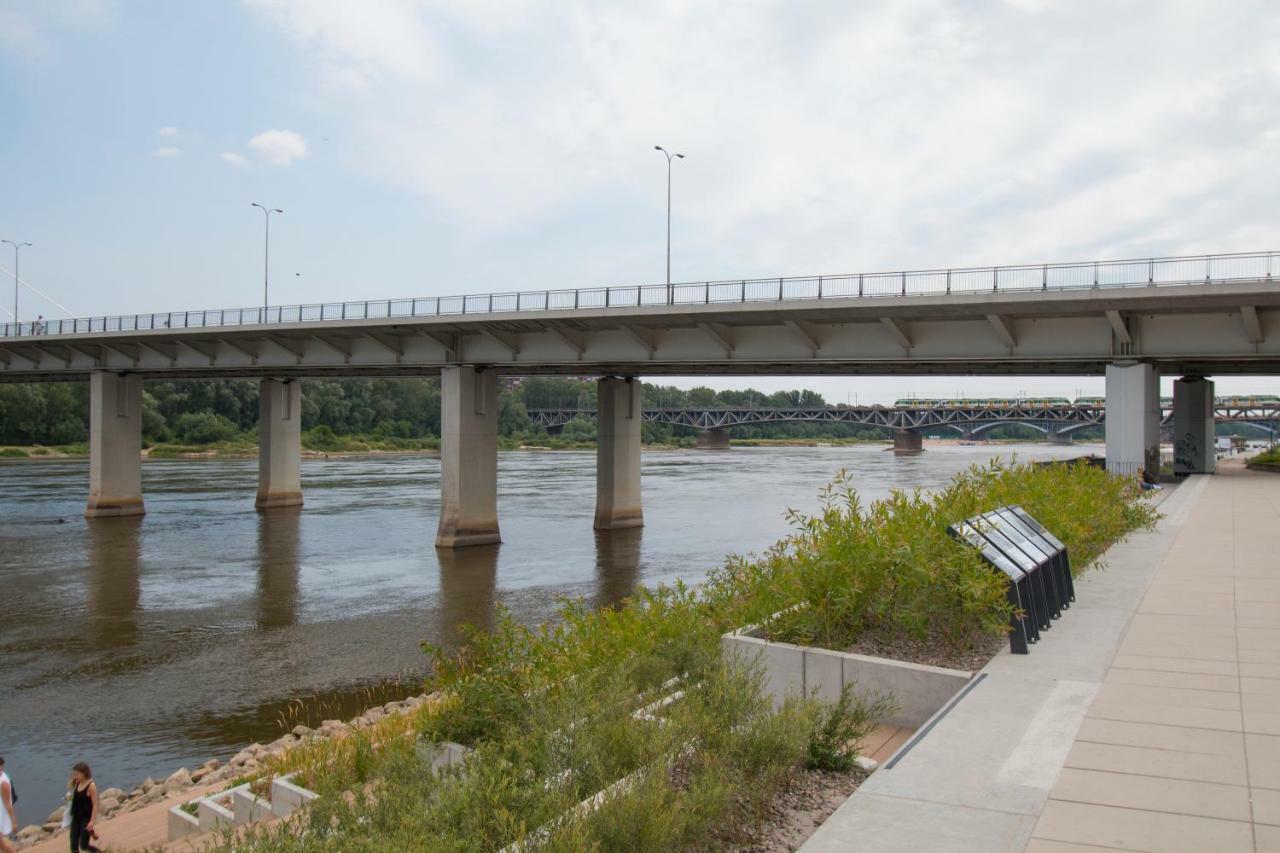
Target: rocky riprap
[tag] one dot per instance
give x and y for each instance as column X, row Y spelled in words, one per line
column 116, row 801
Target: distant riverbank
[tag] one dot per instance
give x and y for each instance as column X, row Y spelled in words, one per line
column 430, row 447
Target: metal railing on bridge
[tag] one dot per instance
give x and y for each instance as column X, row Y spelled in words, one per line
column 1190, row 269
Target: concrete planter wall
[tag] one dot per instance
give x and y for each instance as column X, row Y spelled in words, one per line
column 238, row 806
column 916, row 689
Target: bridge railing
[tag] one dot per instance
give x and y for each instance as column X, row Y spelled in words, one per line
column 1145, row 272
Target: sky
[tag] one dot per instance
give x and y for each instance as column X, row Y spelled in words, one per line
column 438, row 147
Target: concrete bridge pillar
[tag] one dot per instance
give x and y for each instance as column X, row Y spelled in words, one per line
column 1193, row 421
column 1133, row 418
column 907, row 443
column 115, row 445
column 468, row 458
column 279, row 444
column 618, row 454
column 1059, row 437
column 713, row 439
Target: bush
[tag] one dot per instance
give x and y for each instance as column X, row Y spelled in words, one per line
column 204, row 428
column 840, row 728
column 1271, row 457
column 891, row 571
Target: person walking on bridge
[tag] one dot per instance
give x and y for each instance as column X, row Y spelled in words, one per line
column 8, row 819
column 84, row 808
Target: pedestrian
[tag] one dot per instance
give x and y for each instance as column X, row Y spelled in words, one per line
column 39, row 325
column 8, row 818
column 84, row 808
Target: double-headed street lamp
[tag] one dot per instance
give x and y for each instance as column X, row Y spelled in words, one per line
column 17, row 249
column 670, row 156
column 266, row 254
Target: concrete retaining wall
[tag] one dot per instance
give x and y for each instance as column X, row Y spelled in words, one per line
column 916, row 689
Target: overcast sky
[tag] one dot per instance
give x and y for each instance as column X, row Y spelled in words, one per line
column 425, row 148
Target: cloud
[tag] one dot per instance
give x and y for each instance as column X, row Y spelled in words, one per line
column 166, row 151
column 279, row 147
column 832, row 137
column 168, row 131
column 231, row 158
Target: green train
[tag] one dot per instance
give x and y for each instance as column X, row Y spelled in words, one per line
column 1234, row 400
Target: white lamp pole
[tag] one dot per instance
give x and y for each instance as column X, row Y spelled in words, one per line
column 670, row 156
column 266, row 255
column 17, row 251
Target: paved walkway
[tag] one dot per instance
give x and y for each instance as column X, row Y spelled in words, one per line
column 1148, row 718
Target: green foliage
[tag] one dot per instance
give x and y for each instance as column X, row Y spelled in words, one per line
column 891, row 571
column 204, row 428
column 840, row 727
column 1271, row 456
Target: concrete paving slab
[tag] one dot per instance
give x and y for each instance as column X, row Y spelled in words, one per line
column 1203, row 799
column 1137, row 829
column 1266, row 806
column 875, row 822
column 1193, row 680
column 1169, row 763
column 1151, row 736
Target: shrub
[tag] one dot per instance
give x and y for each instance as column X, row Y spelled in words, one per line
column 204, row 428
column 840, row 727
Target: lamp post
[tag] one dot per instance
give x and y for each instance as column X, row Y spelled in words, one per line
column 266, row 254
column 17, row 250
column 670, row 156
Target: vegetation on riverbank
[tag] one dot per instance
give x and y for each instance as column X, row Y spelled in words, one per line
column 1267, row 459
column 551, row 711
column 888, row 575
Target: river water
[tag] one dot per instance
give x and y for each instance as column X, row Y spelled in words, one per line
column 141, row 645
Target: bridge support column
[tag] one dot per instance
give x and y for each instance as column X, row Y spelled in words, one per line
column 1193, row 422
column 713, row 439
column 115, row 445
column 907, row 443
column 1059, row 437
column 279, row 444
column 1133, row 419
column 468, row 458
column 618, row 454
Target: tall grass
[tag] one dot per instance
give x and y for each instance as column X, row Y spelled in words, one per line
column 549, row 711
column 890, row 570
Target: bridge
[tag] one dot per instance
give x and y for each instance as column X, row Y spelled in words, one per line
column 1132, row 320
column 969, row 421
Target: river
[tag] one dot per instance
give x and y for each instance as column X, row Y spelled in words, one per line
column 141, row 645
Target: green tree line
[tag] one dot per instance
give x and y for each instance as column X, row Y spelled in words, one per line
column 205, row 411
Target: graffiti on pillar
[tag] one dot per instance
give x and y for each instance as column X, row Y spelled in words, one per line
column 1187, row 453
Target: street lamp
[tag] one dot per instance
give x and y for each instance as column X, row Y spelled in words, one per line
column 17, row 247
column 669, row 155
column 266, row 253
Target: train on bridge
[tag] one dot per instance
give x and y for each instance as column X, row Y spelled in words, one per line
column 1233, row 401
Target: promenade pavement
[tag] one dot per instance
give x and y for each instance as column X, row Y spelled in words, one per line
column 1147, row 718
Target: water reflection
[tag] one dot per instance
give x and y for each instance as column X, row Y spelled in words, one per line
column 617, row 565
column 278, row 567
column 468, row 585
column 114, row 587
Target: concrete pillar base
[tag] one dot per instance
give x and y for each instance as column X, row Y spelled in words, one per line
column 468, row 458
column 1133, row 419
column 279, row 444
column 618, row 502
column 1194, row 438
column 907, row 443
column 115, row 445
column 1059, row 438
column 108, row 508
column 713, row 439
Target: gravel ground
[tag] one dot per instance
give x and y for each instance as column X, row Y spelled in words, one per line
column 797, row 812
column 933, row 651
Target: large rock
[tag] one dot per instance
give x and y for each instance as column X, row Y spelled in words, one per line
column 178, row 780
column 241, row 758
column 148, row 784
column 301, row 731
column 55, row 815
column 212, row 764
column 29, row 833
column 107, row 805
column 112, row 793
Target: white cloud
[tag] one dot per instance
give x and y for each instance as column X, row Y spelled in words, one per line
column 231, row 158
column 166, row 151
column 279, row 147
column 837, row 137
column 167, row 131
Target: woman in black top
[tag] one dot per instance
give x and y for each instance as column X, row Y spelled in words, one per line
column 84, row 808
